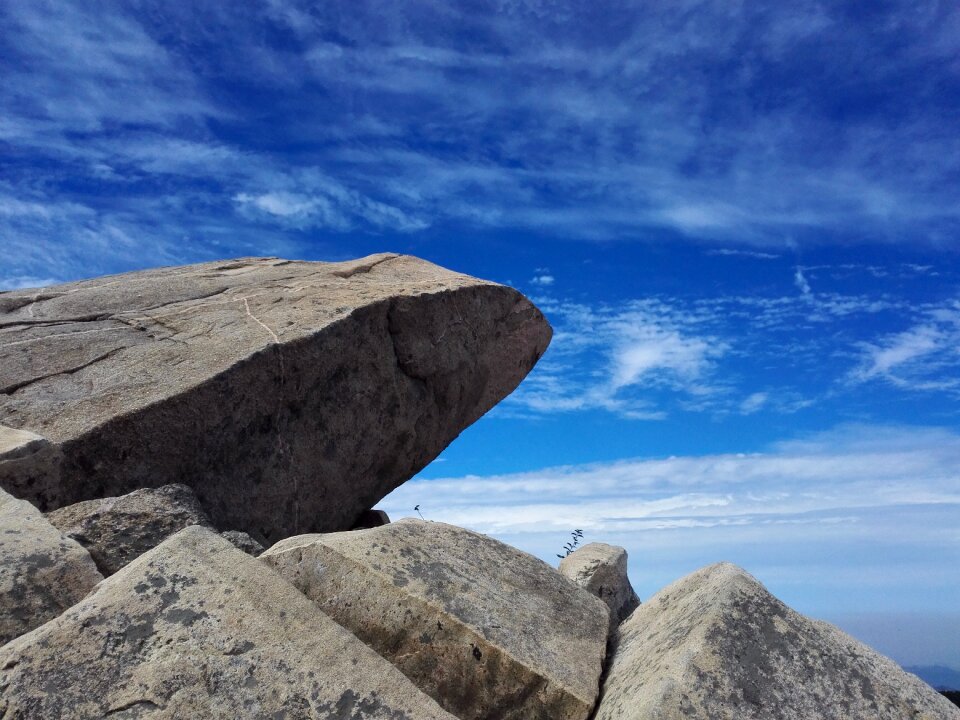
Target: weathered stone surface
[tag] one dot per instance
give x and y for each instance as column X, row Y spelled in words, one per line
column 33, row 460
column 42, row 573
column 601, row 570
column 118, row 530
column 485, row 629
column 197, row 629
column 242, row 541
column 291, row 396
column 716, row 644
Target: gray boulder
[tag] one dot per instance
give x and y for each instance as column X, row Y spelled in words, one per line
column 291, row 396
column 487, row 630
column 601, row 570
column 242, row 541
column 716, row 644
column 118, row 530
column 197, row 629
column 42, row 572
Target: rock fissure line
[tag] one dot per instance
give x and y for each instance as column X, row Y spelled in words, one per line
column 141, row 324
column 57, row 335
column 205, row 296
column 16, row 387
column 99, row 317
column 61, row 321
column 134, row 703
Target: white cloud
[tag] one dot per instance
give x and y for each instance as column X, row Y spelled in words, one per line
column 849, row 470
column 543, row 280
column 84, row 67
column 800, row 280
column 283, row 204
column 582, row 134
column 756, row 254
column 645, row 348
column 320, row 201
column 616, row 358
column 924, row 357
column 646, row 359
column 903, row 348
column 753, row 403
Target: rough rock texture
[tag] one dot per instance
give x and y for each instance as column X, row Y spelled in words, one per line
column 42, row 573
column 24, row 455
column 197, row 629
column 118, row 530
column 291, row 396
column 601, row 570
column 486, row 630
column 716, row 644
column 242, row 541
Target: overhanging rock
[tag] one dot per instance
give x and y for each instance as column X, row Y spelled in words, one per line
column 291, row 396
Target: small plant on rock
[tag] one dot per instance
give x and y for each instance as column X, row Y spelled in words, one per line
column 569, row 547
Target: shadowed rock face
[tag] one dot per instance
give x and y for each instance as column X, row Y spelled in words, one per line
column 117, row 530
column 42, row 572
column 716, row 644
column 488, row 631
column 291, row 396
column 197, row 629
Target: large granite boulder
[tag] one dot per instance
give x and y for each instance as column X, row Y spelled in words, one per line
column 197, row 629
column 291, row 396
column 601, row 570
column 716, row 644
column 42, row 573
column 487, row 630
column 120, row 529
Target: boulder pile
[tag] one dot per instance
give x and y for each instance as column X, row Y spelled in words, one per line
column 159, row 429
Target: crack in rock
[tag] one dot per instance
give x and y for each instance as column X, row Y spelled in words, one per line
column 16, row 387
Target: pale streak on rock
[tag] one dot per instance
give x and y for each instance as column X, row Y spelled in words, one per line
column 246, row 304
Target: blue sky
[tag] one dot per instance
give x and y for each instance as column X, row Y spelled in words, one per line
column 741, row 219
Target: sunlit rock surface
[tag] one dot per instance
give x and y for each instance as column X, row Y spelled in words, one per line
column 490, row 632
column 198, row 629
column 716, row 644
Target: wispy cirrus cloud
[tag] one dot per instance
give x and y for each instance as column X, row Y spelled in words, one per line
column 730, row 355
column 623, row 353
column 698, row 119
column 923, row 357
column 842, row 471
